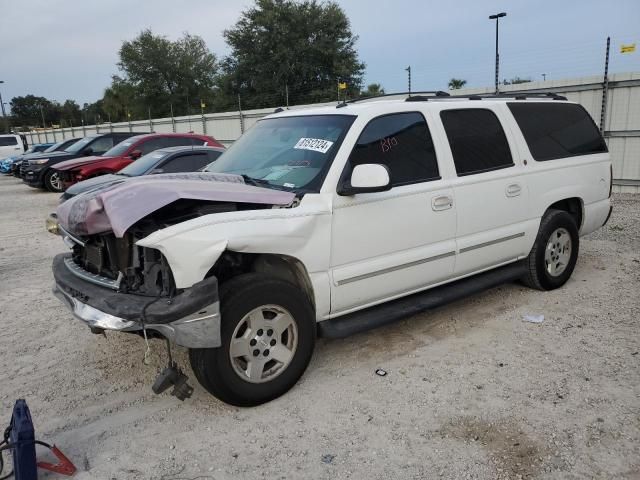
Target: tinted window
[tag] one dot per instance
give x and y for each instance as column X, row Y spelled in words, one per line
column 144, row 164
column 7, row 141
column 403, row 143
column 477, row 140
column 80, row 144
column 185, row 163
column 152, row 145
column 213, row 155
column 556, row 130
column 179, row 141
column 101, row 145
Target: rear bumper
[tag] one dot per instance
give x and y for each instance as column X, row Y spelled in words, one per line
column 190, row 319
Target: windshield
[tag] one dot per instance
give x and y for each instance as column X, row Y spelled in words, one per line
column 80, row 144
column 288, row 152
column 120, row 149
column 53, row 147
column 143, row 164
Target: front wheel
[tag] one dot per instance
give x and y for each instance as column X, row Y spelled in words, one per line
column 268, row 334
column 53, row 182
column 554, row 253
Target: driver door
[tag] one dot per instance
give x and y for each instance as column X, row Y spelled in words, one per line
column 387, row 244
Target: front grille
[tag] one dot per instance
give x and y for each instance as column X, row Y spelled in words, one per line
column 23, row 167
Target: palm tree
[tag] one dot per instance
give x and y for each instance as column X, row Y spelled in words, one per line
column 456, row 83
column 373, row 90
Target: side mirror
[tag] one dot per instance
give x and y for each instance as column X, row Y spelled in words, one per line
column 87, row 151
column 367, row 178
column 136, row 154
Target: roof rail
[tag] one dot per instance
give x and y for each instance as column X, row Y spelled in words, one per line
column 421, row 94
column 515, row 95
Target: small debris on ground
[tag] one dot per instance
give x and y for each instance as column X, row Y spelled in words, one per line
column 381, row 373
column 533, row 318
column 327, row 458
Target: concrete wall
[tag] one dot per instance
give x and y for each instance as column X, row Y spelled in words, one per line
column 621, row 122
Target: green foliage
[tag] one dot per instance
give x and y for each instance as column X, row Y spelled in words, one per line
column 372, row 90
column 30, row 110
column 158, row 73
column 456, row 83
column 307, row 46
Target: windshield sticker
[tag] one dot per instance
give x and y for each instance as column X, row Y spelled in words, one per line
column 289, row 185
column 315, row 144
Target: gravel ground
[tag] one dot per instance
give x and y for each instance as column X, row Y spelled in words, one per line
column 472, row 391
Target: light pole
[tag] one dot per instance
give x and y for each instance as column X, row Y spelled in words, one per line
column 544, row 77
column 4, row 113
column 497, row 18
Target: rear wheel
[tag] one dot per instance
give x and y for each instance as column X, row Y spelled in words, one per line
column 555, row 252
column 268, row 334
column 52, row 181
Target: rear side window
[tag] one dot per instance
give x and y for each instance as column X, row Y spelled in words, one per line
column 403, row 143
column 557, row 130
column 179, row 141
column 8, row 141
column 186, row 163
column 477, row 140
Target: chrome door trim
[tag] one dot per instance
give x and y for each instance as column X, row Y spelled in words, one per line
column 395, row 268
column 492, row 242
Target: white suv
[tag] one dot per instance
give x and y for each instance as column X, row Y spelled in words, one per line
column 331, row 221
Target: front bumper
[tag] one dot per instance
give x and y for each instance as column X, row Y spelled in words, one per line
column 32, row 177
column 190, row 319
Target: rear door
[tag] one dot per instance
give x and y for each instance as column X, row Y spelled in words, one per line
column 490, row 188
column 387, row 244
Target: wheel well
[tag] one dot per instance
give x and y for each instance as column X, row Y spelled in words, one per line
column 573, row 206
column 231, row 264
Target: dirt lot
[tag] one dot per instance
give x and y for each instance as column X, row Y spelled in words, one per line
column 472, row 391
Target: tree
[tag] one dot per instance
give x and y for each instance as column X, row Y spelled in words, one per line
column 30, row 109
column 70, row 113
column 373, row 89
column 306, row 46
column 159, row 72
column 456, row 83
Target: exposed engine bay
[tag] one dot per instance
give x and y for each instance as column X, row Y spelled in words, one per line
column 140, row 270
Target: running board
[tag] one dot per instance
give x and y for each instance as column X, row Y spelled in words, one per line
column 404, row 307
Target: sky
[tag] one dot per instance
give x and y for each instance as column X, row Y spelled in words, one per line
column 64, row 49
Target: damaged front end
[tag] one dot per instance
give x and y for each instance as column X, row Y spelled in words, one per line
column 110, row 282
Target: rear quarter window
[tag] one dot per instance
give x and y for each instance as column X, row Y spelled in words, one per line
column 8, row 141
column 557, row 130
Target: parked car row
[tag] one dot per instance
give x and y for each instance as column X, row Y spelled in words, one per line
column 110, row 157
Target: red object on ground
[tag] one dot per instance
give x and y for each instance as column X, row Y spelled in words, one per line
column 78, row 169
column 65, row 467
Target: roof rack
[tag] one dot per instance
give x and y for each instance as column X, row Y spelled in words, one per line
column 515, row 95
column 421, row 94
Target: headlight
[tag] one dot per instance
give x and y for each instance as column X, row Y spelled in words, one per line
column 39, row 162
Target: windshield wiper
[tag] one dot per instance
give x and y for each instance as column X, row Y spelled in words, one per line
column 254, row 181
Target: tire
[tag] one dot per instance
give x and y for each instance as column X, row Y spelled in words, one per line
column 52, row 181
column 232, row 378
column 549, row 263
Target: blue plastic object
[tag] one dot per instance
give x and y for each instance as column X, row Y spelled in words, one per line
column 22, row 438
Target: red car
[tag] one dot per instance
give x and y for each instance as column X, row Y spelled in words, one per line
column 124, row 153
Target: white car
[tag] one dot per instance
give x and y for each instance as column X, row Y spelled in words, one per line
column 331, row 221
column 11, row 145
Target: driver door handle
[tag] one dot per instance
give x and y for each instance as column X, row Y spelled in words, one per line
column 442, row 202
column 513, row 190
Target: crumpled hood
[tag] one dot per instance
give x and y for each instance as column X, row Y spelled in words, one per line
column 119, row 206
column 79, row 162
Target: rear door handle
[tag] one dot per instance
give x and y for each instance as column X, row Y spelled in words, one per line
column 443, row 202
column 513, row 190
